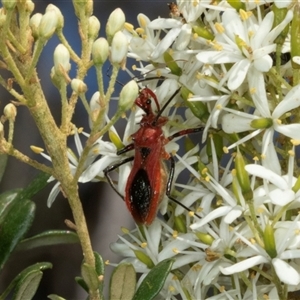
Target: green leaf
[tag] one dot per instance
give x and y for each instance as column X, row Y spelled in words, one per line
column 48, row 238
column 13, row 227
column 3, row 162
column 82, row 283
column 36, row 267
column 154, row 281
column 27, row 287
column 90, row 276
column 37, row 184
column 99, row 264
column 7, row 199
column 122, row 282
column 55, row 297
column 99, row 267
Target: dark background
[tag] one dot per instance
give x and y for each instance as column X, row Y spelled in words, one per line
column 105, row 211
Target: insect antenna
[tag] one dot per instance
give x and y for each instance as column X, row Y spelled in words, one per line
column 164, row 107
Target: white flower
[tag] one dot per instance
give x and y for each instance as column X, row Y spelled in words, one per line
column 236, row 121
column 244, row 43
column 285, row 271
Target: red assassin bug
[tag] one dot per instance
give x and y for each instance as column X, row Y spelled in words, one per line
column 147, row 182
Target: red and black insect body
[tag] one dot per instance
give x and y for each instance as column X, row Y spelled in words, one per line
column 148, row 181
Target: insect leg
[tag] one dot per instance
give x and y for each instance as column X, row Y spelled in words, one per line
column 125, row 149
column 169, row 187
column 107, row 170
column 185, row 132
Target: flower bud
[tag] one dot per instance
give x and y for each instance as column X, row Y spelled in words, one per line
column 243, row 176
column 100, row 50
column 261, row 123
column 144, row 258
column 61, row 57
column 10, row 111
column 89, row 7
column 172, row 64
column 48, row 24
column 203, row 32
column 119, row 48
column 9, row 4
column 94, row 27
column 237, row 4
column 78, row 86
column 115, row 139
column 60, row 17
column 114, row 23
column 205, row 238
column 198, row 108
column 128, row 94
column 29, row 6
column 34, row 24
column 269, row 241
column 180, row 223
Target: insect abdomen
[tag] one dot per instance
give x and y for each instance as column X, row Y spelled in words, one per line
column 140, row 193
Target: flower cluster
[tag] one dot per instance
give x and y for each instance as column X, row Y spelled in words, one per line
column 227, row 57
column 236, row 63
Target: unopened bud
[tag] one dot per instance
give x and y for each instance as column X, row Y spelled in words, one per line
column 10, row 111
column 205, row 238
column 261, row 123
column 100, row 51
column 61, row 57
column 94, row 27
column 115, row 139
column 29, row 6
column 60, row 17
column 180, row 223
column 9, row 4
column 144, row 258
column 34, row 24
column 269, row 241
column 114, row 23
column 78, row 86
column 119, row 47
column 48, row 24
column 128, row 94
column 243, row 176
column 89, row 7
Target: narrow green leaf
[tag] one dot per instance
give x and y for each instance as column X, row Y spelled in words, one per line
column 99, row 267
column 122, row 282
column 99, row 264
column 37, row 184
column 36, row 267
column 82, row 283
column 90, row 276
column 14, row 226
column 3, row 162
column 154, row 281
column 27, row 287
column 55, row 297
column 7, row 199
column 48, row 238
